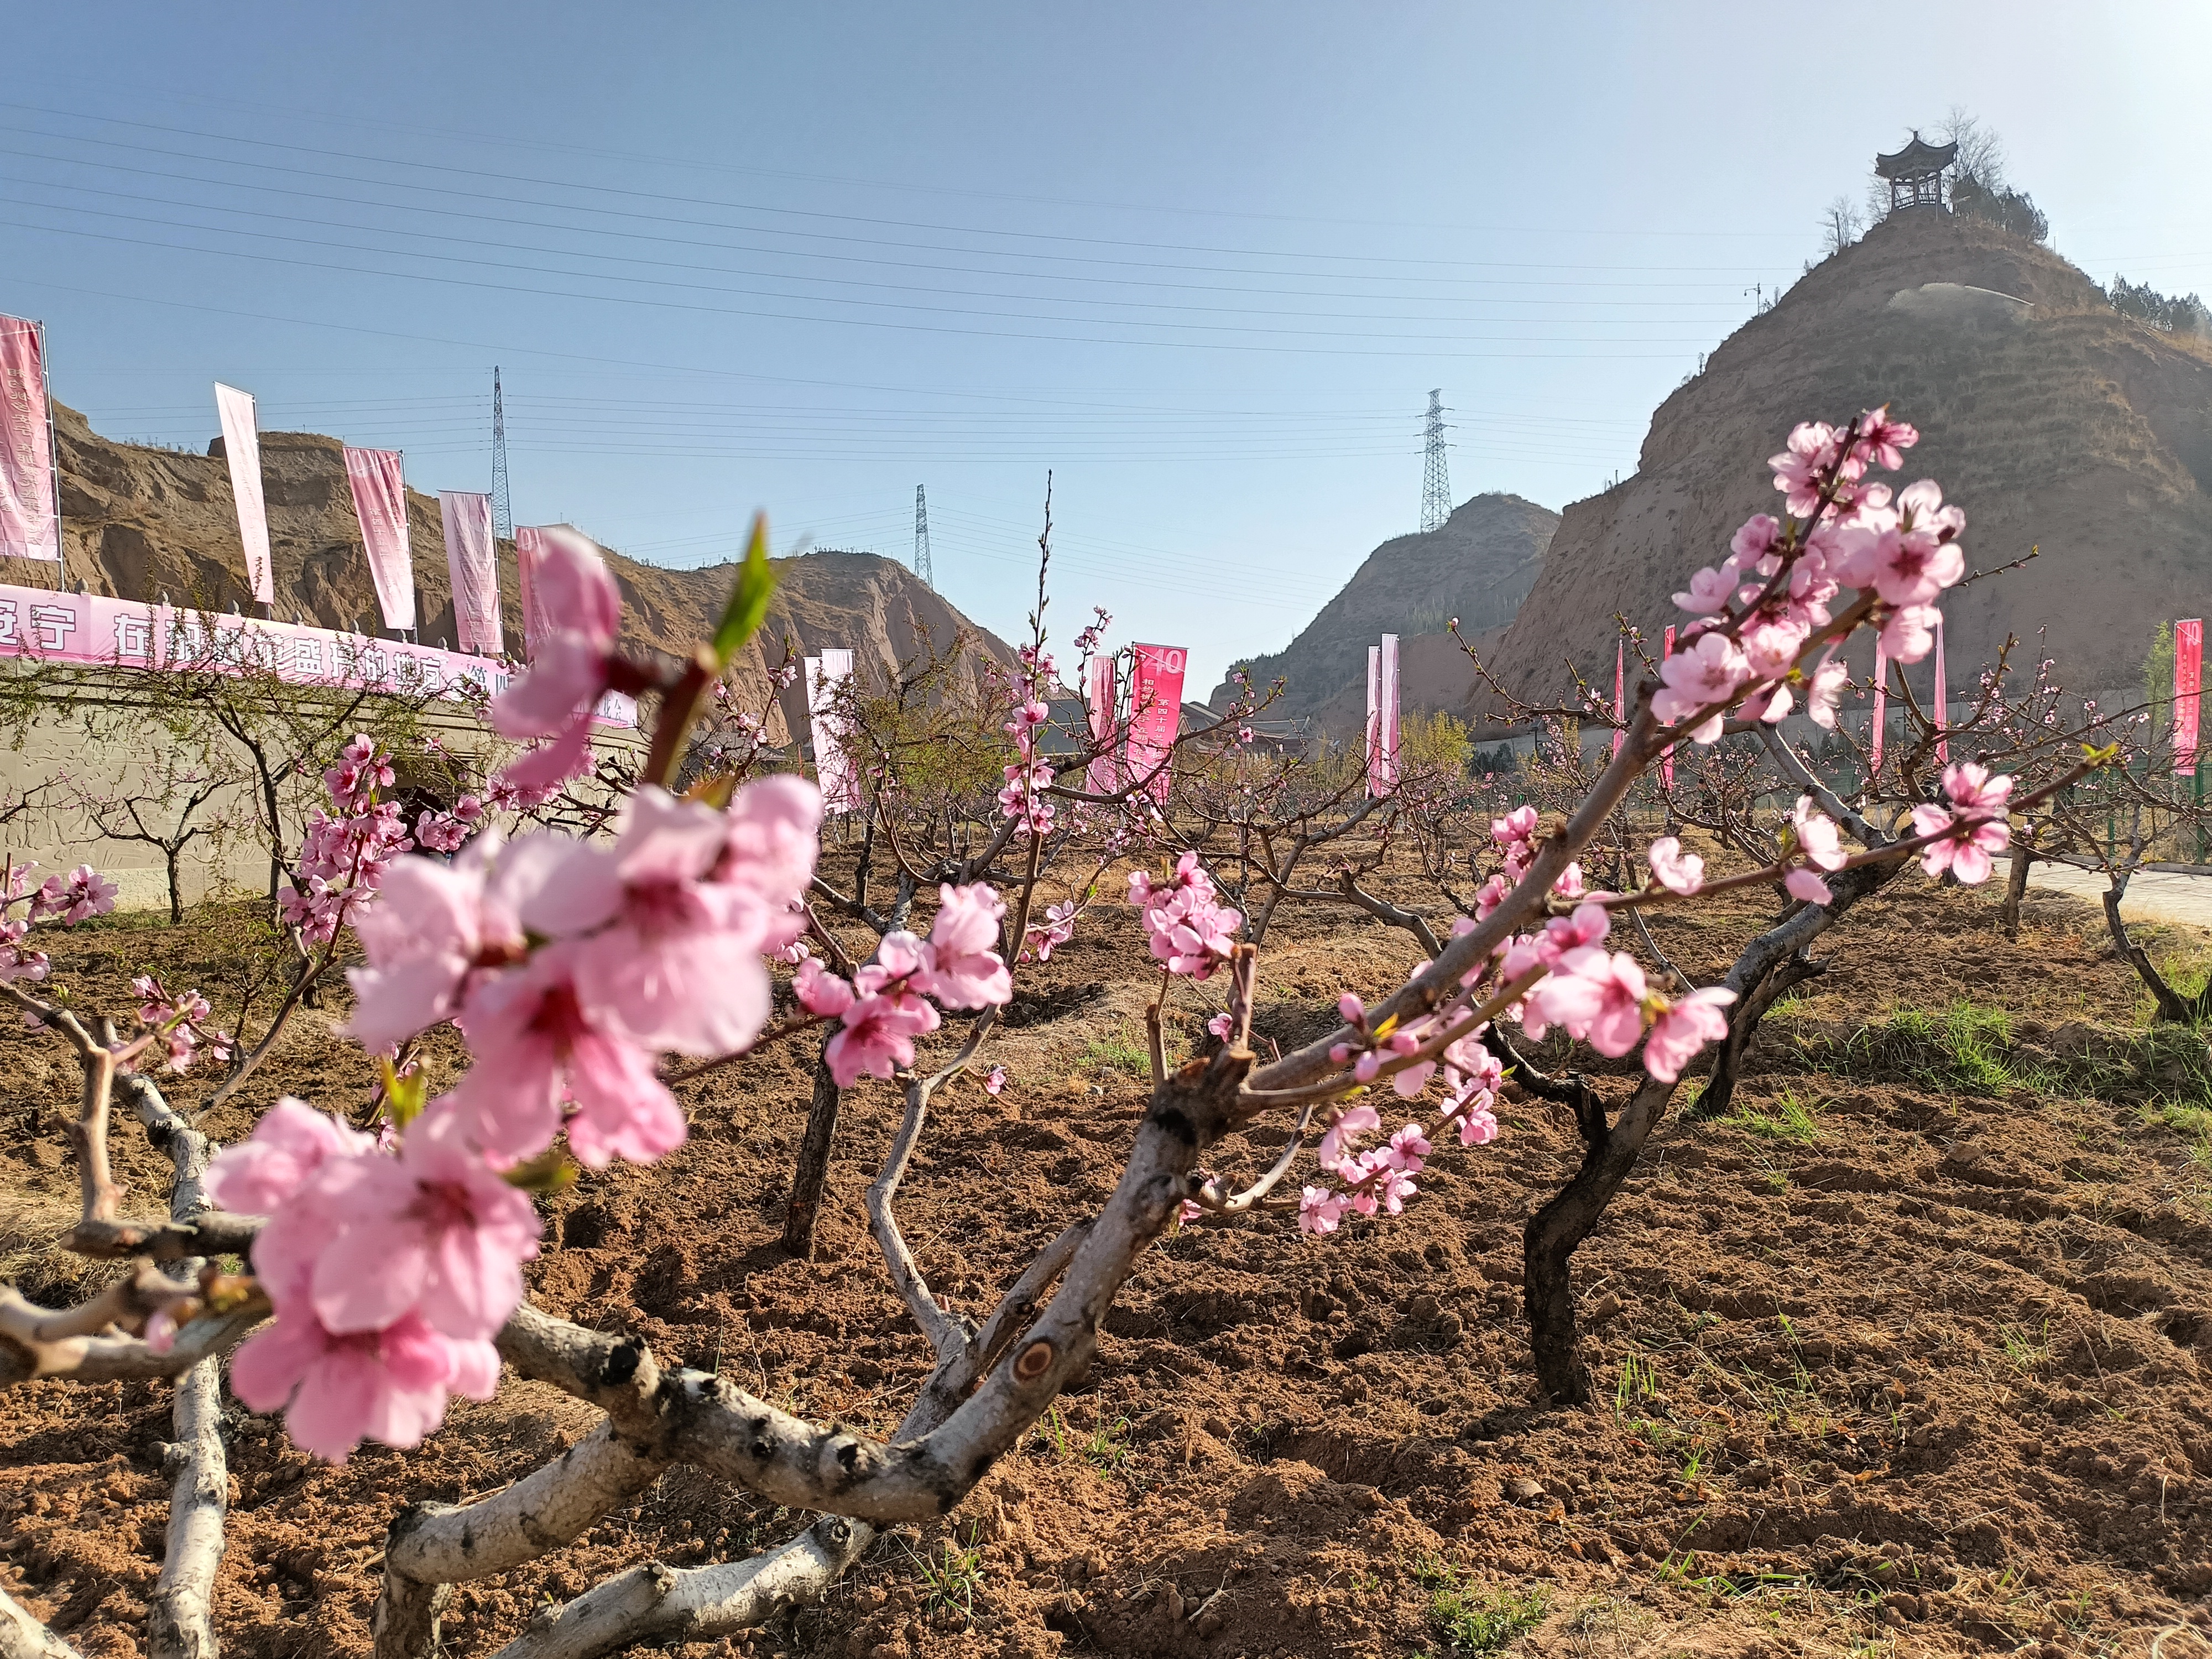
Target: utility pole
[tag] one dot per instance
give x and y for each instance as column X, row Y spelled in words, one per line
column 502, row 520
column 921, row 565
column 1435, row 481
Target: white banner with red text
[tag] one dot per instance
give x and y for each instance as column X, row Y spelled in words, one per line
column 91, row 630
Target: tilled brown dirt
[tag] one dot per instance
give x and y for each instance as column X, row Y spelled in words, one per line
column 1905, row 1355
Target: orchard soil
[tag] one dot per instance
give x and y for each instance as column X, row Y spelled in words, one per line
column 1905, row 1355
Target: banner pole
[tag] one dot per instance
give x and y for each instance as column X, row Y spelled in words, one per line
column 53, row 461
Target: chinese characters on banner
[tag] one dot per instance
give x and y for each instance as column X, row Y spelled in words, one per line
column 30, row 522
column 1101, row 779
column 93, row 631
column 2188, row 687
column 379, row 501
column 1155, row 714
column 241, row 450
column 471, row 559
column 833, row 771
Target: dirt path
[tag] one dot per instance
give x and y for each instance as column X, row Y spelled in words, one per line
column 2152, row 895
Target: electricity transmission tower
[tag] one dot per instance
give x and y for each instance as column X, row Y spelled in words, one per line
column 502, row 520
column 922, row 567
column 1435, row 483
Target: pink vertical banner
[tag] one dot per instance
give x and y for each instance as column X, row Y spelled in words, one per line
column 1880, row 703
column 472, row 560
column 30, row 516
column 1942, row 697
column 1382, row 717
column 379, row 503
column 1371, row 733
column 1620, row 690
column 529, row 547
column 1666, row 761
column 1154, row 712
column 834, row 769
column 1103, row 689
column 241, row 451
column 2188, row 688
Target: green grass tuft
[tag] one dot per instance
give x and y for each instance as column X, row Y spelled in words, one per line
column 1787, row 1119
column 1473, row 1619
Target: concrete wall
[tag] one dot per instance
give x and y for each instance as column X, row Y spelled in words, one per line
column 56, row 751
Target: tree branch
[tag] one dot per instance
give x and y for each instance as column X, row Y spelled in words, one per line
column 662, row 1604
column 22, row 1637
column 945, row 1332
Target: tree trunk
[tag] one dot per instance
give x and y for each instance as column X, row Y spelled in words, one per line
column 810, row 1176
column 1548, row 1245
column 2015, row 890
column 1771, row 964
column 2173, row 1008
column 1743, row 1024
column 176, row 889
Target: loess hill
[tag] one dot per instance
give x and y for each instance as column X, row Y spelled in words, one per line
column 2054, row 420
column 1477, row 566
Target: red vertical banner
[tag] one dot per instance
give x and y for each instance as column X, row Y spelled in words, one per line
column 379, row 503
column 1881, row 703
column 472, row 561
column 1103, row 689
column 1620, row 690
column 2188, row 687
column 30, row 517
column 241, row 451
column 1667, row 763
column 1154, row 712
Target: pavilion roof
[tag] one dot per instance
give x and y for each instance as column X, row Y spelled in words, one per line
column 1916, row 159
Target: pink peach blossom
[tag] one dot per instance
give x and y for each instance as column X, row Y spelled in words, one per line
column 539, row 1043
column 1320, row 1210
column 1684, row 1028
column 581, row 610
column 1674, row 869
column 1802, row 883
column 960, row 962
column 336, row 1391
column 434, row 1229
column 1707, row 674
column 290, row 1142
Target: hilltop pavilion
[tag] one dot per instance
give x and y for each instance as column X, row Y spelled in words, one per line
column 1915, row 172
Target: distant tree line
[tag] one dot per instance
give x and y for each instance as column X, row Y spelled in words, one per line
column 2180, row 313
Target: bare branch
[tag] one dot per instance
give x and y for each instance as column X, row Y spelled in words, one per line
column 123, row 1358
column 431, row 1546
column 180, row 1613
column 1383, row 910
column 22, row 1637
column 662, row 1604
column 945, row 1332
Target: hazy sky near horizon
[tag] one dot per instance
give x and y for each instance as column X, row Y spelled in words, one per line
column 1203, row 262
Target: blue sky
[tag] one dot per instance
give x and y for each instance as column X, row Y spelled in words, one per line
column 1204, row 262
